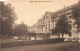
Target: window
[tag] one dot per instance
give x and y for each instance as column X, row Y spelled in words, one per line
column 62, row 13
column 49, row 25
column 43, row 23
column 58, row 14
column 42, row 28
column 68, row 11
column 46, row 25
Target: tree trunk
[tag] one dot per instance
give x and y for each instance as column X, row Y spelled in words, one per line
column 62, row 35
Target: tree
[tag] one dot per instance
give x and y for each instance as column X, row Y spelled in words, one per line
column 7, row 18
column 76, row 16
column 20, row 29
column 62, row 26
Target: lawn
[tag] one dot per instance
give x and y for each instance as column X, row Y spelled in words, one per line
column 65, row 46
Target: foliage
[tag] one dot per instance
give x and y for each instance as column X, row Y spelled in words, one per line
column 7, row 18
column 76, row 17
column 62, row 26
column 20, row 29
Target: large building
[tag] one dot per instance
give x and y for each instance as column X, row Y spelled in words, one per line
column 47, row 23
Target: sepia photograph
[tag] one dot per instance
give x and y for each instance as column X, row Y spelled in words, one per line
column 39, row 25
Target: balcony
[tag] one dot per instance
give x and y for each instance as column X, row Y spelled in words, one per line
column 42, row 25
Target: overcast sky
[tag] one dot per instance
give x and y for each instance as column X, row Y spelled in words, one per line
column 30, row 12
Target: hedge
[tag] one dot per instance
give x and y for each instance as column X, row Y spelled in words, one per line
column 31, row 42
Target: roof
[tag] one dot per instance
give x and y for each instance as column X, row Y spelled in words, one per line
column 66, row 8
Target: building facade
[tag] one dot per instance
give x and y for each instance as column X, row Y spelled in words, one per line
column 47, row 23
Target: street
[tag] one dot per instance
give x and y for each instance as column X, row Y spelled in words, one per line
column 65, row 46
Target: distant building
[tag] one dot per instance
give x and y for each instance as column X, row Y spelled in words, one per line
column 30, row 29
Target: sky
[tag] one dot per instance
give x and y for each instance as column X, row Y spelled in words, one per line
column 30, row 12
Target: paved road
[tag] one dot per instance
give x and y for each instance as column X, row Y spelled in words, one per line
column 65, row 46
